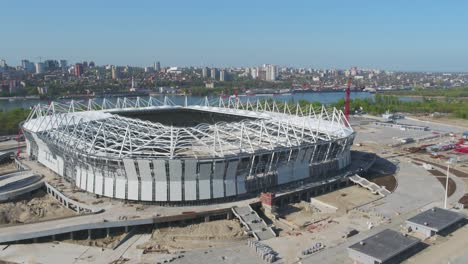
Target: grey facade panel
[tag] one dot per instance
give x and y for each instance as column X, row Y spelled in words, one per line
column 230, row 181
column 308, row 155
column 241, row 185
column 285, row 174
column 145, row 170
column 190, row 189
column 190, row 170
column 300, row 156
column 204, row 182
column 130, row 169
column 175, row 172
column 219, row 170
column 204, row 189
column 218, row 188
column 231, row 170
column 205, row 171
column 159, row 167
column 190, row 180
column 218, row 180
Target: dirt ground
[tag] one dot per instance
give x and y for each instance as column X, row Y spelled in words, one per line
column 326, row 228
column 389, row 182
column 300, row 214
column 202, row 235
column 453, row 171
column 464, row 200
column 443, row 120
column 348, row 198
column 453, row 246
column 7, row 168
column 38, row 206
column 107, row 242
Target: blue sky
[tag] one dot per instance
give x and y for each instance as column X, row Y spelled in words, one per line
column 397, row 35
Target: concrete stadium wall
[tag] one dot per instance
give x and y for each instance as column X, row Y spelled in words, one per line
column 187, row 180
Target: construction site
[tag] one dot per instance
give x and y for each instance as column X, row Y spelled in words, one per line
column 252, row 189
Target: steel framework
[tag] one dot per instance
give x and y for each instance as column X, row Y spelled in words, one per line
column 97, row 129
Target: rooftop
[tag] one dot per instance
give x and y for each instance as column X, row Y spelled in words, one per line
column 436, row 218
column 385, row 245
column 139, row 128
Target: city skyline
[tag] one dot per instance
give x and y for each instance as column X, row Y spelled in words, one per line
column 395, row 36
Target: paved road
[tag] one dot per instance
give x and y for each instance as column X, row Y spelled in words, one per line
column 416, row 189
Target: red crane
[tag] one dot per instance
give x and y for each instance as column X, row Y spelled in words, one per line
column 348, row 93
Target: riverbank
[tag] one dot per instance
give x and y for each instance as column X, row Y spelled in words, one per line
column 464, row 98
column 452, row 93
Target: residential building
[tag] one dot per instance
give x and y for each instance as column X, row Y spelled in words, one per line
column 79, row 68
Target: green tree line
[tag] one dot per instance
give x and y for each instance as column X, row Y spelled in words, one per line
column 452, row 92
column 381, row 103
column 10, row 120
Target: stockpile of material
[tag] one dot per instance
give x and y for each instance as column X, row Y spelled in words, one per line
column 313, row 249
column 264, row 251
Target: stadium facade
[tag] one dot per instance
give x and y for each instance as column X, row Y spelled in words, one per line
column 158, row 151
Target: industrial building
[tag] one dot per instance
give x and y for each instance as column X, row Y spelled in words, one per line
column 434, row 221
column 157, row 151
column 388, row 246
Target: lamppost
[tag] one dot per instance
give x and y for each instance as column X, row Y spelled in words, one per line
column 450, row 161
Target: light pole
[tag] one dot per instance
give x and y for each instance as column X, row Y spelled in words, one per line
column 446, row 182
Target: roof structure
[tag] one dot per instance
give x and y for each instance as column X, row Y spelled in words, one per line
column 98, row 129
column 436, row 219
column 385, row 245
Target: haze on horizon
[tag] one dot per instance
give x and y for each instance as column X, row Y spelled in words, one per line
column 395, row 35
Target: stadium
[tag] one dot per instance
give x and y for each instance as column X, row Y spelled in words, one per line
column 157, row 151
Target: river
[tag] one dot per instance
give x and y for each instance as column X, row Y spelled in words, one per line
column 323, row 97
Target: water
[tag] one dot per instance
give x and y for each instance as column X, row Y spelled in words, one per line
column 324, row 97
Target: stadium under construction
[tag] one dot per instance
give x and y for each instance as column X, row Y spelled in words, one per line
column 213, row 151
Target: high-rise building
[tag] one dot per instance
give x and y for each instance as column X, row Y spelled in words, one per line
column 40, row 68
column 271, row 72
column 213, row 73
column 205, row 73
column 222, row 75
column 254, row 73
column 261, row 74
column 78, row 69
column 28, row 66
column 134, row 84
column 115, row 74
column 3, row 63
column 157, row 66
column 51, row 65
column 91, row 64
column 63, row 64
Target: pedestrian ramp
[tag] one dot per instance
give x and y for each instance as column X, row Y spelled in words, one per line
column 253, row 222
column 374, row 188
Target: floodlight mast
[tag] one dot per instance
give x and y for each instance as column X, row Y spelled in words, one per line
column 347, row 99
column 446, row 184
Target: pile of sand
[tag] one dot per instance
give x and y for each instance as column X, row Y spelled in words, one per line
column 9, row 167
column 301, row 214
column 105, row 242
column 194, row 236
column 38, row 206
column 215, row 230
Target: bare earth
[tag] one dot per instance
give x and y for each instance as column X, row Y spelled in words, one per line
column 452, row 248
column 202, row 235
column 443, row 120
column 106, row 242
column 40, row 206
column 7, row 168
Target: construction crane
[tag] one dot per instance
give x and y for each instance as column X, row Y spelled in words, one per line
column 347, row 98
